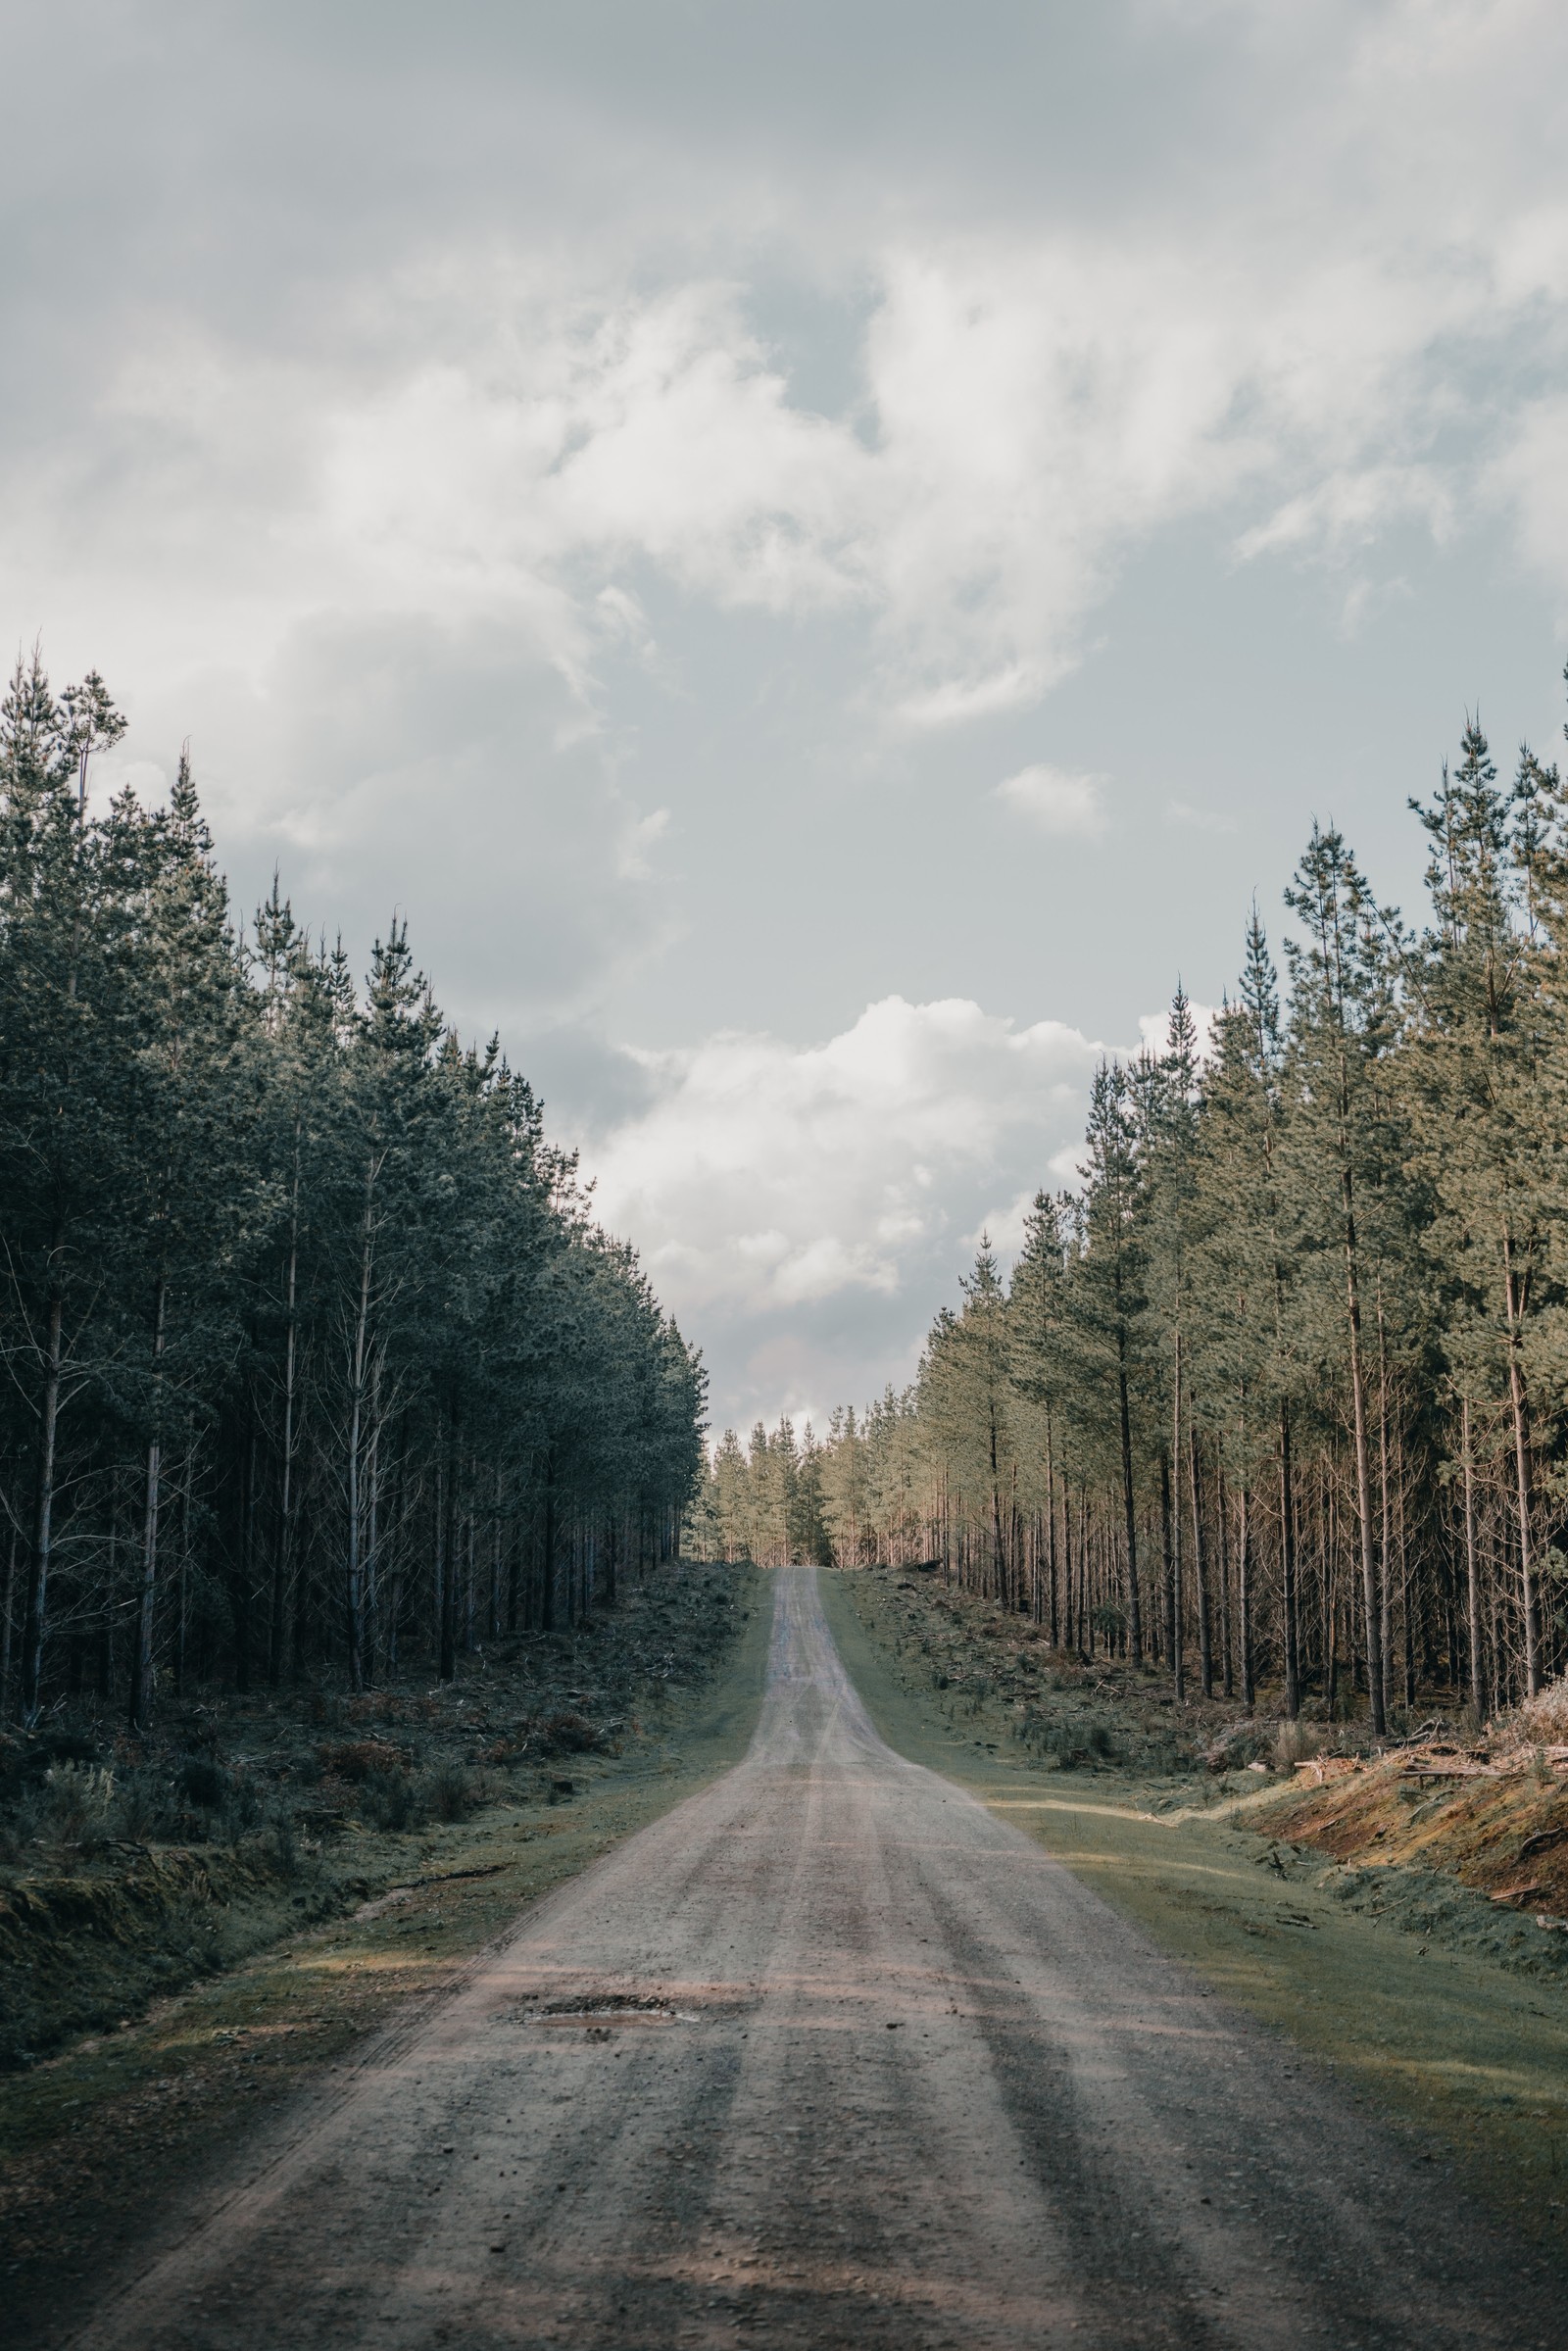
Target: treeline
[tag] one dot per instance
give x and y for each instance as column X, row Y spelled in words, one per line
column 1275, row 1399
column 314, row 1358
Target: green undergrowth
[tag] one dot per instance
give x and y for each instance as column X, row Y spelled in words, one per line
column 128, row 1869
column 99, row 2137
column 1395, row 1982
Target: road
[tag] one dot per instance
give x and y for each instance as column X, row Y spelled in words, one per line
column 829, row 2056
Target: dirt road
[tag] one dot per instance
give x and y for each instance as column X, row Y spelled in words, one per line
column 830, row 2056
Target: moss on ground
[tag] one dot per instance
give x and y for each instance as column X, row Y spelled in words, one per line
column 94, row 2140
column 1466, row 2054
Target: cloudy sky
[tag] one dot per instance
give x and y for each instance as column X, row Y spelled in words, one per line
column 820, row 553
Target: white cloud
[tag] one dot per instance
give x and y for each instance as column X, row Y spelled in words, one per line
column 1530, row 477
column 764, row 1182
column 1199, row 821
column 1056, row 801
column 432, row 478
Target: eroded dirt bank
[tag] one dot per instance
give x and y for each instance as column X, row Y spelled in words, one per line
column 833, row 2055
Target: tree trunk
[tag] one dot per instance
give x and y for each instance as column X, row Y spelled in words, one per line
column 1174, row 1646
column 1385, row 1514
column 1135, row 1611
column 142, row 1671
column 1529, row 1595
column 353, row 1595
column 547, row 1594
column 1050, row 1538
column 282, row 1556
column 34, row 1631
column 1243, row 1596
column 1292, row 1661
column 1472, row 1571
column 1363, row 1473
column 1205, row 1628
column 1222, row 1530
column 998, row 1550
column 1176, row 1607
column 449, row 1554
column 7, row 1627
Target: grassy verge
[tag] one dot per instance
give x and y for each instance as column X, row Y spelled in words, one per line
column 96, row 2141
column 1465, row 2054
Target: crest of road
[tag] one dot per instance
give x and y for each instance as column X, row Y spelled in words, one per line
column 830, row 2055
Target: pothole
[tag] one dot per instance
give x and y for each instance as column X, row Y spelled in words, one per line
column 600, row 2011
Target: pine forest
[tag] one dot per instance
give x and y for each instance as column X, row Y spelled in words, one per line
column 315, row 1361
column 1274, row 1399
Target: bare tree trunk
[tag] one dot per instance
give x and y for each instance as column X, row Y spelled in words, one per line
column 1363, row 1472
column 1176, row 1604
column 373, row 1521
column 1472, row 1571
column 1205, row 1629
column 1529, row 1595
column 7, row 1629
column 1174, row 1646
column 1385, row 1513
column 354, row 1593
column 1051, row 1536
column 247, row 1563
column 449, row 1554
column 142, row 1671
column 1243, row 1596
column 547, row 1612
column 1135, row 1611
column 997, row 1550
column 34, row 1631
column 493, row 1616
column 284, row 1555
column 1222, row 1530
column 1293, row 1662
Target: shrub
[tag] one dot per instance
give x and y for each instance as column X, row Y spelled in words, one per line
column 357, row 1759
column 203, row 1782
column 448, row 1791
column 76, row 1802
column 142, row 1810
column 390, row 1800
column 242, row 1811
column 1545, row 1717
column 1297, row 1743
column 278, row 1842
column 568, row 1733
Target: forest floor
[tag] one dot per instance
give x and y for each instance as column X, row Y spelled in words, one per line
column 163, row 1993
column 1353, row 1905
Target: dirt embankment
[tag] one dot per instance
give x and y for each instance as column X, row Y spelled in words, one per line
column 213, row 1979
column 1466, row 1845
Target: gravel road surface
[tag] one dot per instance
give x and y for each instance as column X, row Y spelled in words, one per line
column 831, row 2056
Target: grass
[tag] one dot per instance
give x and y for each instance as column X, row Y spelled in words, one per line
column 1467, row 2056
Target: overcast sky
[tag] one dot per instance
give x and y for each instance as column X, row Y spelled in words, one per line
column 820, row 553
